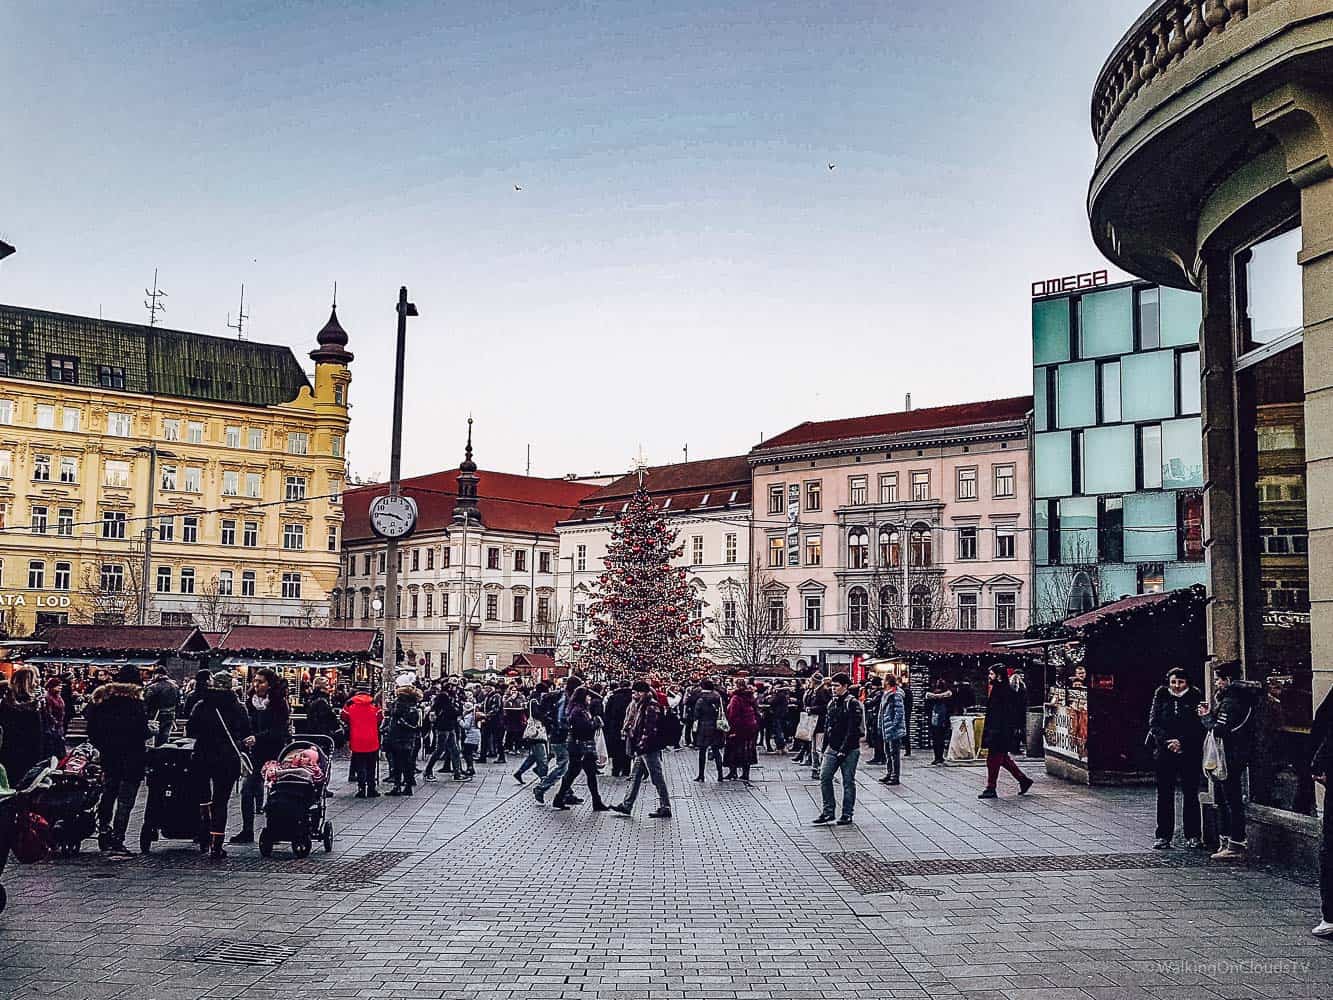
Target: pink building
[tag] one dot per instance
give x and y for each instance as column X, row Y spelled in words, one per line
column 919, row 519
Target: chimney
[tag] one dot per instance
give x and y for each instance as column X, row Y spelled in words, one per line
column 909, row 402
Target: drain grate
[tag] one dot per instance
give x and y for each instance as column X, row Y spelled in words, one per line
column 361, row 872
column 1046, row 863
column 245, row 953
column 868, row 873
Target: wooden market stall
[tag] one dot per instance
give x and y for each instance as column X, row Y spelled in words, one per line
column 83, row 651
column 345, row 656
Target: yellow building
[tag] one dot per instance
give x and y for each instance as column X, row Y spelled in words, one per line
column 219, row 452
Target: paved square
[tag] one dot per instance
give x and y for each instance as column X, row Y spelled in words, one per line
column 735, row 897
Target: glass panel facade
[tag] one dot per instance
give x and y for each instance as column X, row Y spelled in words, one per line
column 1078, row 530
column 1106, row 323
column 1189, row 381
column 1110, row 373
column 1108, row 459
column 1150, row 455
column 1117, row 581
column 1076, row 398
column 1054, row 463
column 1050, row 331
column 1148, row 385
column 1150, row 527
column 1182, row 453
column 1181, row 314
column 1041, row 534
column 1039, row 419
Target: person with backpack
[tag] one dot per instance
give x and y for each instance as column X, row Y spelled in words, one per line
column 708, row 738
column 362, row 718
column 446, row 711
column 555, row 717
column 1231, row 718
column 218, row 725
column 844, row 726
column 162, row 699
column 1176, row 737
column 400, row 742
column 118, row 727
column 581, row 741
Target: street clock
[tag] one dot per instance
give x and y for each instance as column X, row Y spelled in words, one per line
column 393, row 516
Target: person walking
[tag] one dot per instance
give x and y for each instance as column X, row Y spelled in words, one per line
column 1005, row 713
column 1176, row 735
column 533, row 743
column 270, row 728
column 617, row 708
column 1231, row 718
column 743, row 715
column 909, row 699
column 515, row 719
column 555, row 709
column 778, row 706
column 845, row 725
column 21, row 745
column 643, row 737
column 218, row 725
column 400, row 742
column 817, row 705
column 446, row 711
column 202, row 680
column 1321, row 769
column 708, row 739
column 363, row 717
column 490, row 709
column 938, row 703
column 162, row 698
column 118, row 727
column 873, row 701
column 582, row 747
column 893, row 729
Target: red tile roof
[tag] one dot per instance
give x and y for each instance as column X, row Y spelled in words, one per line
column 535, row 661
column 523, row 504
column 904, row 422
column 122, row 638
column 945, row 640
column 1114, row 608
column 685, row 484
column 296, row 641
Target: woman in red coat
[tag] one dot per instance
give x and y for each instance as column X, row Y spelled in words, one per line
column 743, row 715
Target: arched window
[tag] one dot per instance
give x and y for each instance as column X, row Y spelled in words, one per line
column 858, row 610
column 890, row 547
column 858, row 549
column 920, row 543
column 890, row 607
column 921, row 610
column 1081, row 595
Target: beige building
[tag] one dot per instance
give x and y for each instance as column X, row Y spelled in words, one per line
column 219, row 451
column 1214, row 124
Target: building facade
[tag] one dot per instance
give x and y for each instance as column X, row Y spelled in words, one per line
column 1214, row 173
column 219, row 452
column 708, row 504
column 1117, row 452
column 477, row 578
column 918, row 519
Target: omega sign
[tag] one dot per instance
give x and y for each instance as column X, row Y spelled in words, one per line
column 41, row 600
column 1069, row 283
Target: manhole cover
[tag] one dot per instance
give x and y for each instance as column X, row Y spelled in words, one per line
column 1046, row 863
column 245, row 953
column 868, row 873
column 361, row 872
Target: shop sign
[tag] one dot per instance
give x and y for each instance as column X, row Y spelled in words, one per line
column 8, row 600
column 794, row 524
column 1286, row 619
column 1069, row 283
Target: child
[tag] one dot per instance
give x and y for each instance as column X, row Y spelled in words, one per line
column 363, row 719
column 471, row 735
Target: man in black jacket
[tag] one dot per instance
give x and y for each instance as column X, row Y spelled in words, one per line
column 642, row 736
column 617, row 705
column 118, row 727
column 1177, row 741
column 446, row 711
column 844, row 725
column 1321, row 767
column 1232, row 718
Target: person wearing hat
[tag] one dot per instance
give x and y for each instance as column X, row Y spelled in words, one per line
column 642, row 736
column 219, row 725
column 118, row 727
column 363, row 717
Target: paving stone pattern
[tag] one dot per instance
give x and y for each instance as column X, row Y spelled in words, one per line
column 474, row 890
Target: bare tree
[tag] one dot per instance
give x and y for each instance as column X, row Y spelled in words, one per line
column 213, row 610
column 109, row 593
column 313, row 614
column 928, row 603
column 748, row 630
column 874, row 610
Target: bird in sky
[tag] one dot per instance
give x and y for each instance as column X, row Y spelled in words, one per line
column 833, row 166
column 517, row 188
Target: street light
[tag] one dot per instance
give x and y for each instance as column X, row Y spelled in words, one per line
column 404, row 309
column 152, row 451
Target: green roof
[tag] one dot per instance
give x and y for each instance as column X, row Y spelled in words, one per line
column 152, row 360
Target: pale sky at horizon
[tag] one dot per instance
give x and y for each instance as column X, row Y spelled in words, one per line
column 680, row 266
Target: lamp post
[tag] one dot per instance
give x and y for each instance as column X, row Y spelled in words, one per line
column 152, row 451
column 391, row 609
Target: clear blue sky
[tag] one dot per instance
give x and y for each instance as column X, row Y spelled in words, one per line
column 680, row 265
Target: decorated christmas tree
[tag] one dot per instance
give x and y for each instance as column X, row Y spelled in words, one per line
column 642, row 612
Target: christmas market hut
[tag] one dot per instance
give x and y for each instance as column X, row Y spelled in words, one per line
column 533, row 667
column 85, row 650
column 1102, row 667
column 347, row 656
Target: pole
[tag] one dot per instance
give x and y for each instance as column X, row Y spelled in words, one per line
column 148, row 536
column 405, row 309
column 462, row 601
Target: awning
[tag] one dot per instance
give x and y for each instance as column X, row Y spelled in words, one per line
column 315, row 665
column 83, row 661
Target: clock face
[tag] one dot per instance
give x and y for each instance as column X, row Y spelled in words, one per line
column 393, row 517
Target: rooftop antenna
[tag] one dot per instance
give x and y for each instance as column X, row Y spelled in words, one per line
column 152, row 303
column 241, row 317
column 529, row 472
column 687, row 451
column 335, row 295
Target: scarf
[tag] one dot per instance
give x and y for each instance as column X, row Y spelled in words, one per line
column 260, row 704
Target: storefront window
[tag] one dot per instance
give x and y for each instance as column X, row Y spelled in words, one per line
column 1268, row 278
column 1106, row 323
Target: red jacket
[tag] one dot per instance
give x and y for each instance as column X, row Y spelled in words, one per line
column 363, row 718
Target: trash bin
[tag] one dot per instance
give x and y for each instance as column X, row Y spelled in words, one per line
column 1036, row 730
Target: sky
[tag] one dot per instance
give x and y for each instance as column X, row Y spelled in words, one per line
column 616, row 219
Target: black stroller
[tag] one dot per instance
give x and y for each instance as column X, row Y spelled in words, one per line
column 172, row 811
column 68, row 801
column 16, row 813
column 295, row 809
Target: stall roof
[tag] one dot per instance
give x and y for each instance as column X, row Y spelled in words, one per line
column 1114, row 608
column 301, row 643
column 533, row 661
column 146, row 640
column 965, row 642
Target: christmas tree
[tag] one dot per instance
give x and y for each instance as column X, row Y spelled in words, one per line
column 642, row 611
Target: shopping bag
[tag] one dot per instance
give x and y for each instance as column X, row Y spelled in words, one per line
column 723, row 723
column 534, row 731
column 599, row 741
column 805, row 728
column 1214, row 756
column 962, row 746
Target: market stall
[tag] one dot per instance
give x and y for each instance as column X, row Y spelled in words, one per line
column 84, row 651
column 344, row 656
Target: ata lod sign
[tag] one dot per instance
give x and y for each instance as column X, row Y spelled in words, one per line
column 1069, row 283
column 41, row 600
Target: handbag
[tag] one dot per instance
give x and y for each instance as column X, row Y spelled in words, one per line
column 247, row 768
column 599, row 741
column 805, row 727
column 534, row 731
column 1214, row 756
column 723, row 723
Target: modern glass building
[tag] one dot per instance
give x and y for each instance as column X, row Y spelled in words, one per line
column 1117, row 445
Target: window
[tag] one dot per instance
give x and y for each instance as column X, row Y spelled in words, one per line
column 164, row 579
column 1187, row 377
column 293, row 536
column 194, row 480
column 112, row 578
column 1106, row 459
column 340, row 394
column 1148, row 386
column 381, row 561
column 777, row 614
column 71, row 419
column 194, row 432
column 231, row 483
column 967, row 611
column 166, row 529
column 295, row 488
column 190, row 528
column 6, row 411
column 1005, row 543
column 291, row 586
column 967, row 543
column 415, row 603
column 65, row 522
column 41, row 468
column 1076, row 395
column 1150, row 330
column 63, row 576
column 117, row 474
column 1182, row 453
column 858, row 549
column 520, row 561
column 167, row 480
column 1150, row 456
column 61, row 368
column 729, row 549
column 967, row 484
column 920, row 606
column 254, row 439
column 336, row 445
column 187, row 580
column 1269, row 290
column 858, row 610
column 113, row 524
column 814, row 550
column 814, row 613
column 228, row 531
column 446, row 557
column 492, row 557
column 254, row 485
column 1189, row 528
column 110, row 377
column 920, row 543
column 298, row 443
column 171, row 430
column 890, row 547
column 492, row 607
column 580, row 618
column 890, row 608
column 777, row 498
column 814, row 495
column 1004, row 481
column 6, row 464
column 46, row 417
column 1108, row 382
column 920, row 485
column 543, row 561
column 444, row 605
column 729, row 618
column 225, row 577
column 38, row 522
column 231, row 437
column 1111, row 530
column 857, row 489
column 69, row 471
column 777, row 551
column 1006, row 612
column 520, row 608
column 888, row 487
column 248, row 583
column 697, row 550
column 1050, row 331
column 333, row 539
column 1106, row 323
column 581, row 558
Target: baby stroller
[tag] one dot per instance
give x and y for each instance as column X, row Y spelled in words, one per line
column 295, row 783
column 172, row 811
column 68, row 799
column 23, row 832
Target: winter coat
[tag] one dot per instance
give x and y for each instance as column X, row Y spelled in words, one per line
column 706, row 707
column 362, row 717
column 1005, row 713
column 1234, row 717
column 643, row 727
column 1172, row 718
column 743, row 714
column 404, row 721
column 161, row 695
column 938, row 705
column 270, row 725
column 779, row 704
column 515, row 714
column 118, row 727
column 817, row 703
column 844, row 724
column 893, row 715
column 874, row 706
column 447, row 711
column 553, row 716
column 582, row 730
column 1321, row 738
column 616, row 709
column 319, row 715
column 909, row 699
column 215, row 746
column 21, row 743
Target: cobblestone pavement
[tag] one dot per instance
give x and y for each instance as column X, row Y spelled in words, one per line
column 474, row 890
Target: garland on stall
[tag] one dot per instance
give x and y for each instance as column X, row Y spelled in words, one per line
column 361, row 655
column 1176, row 609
